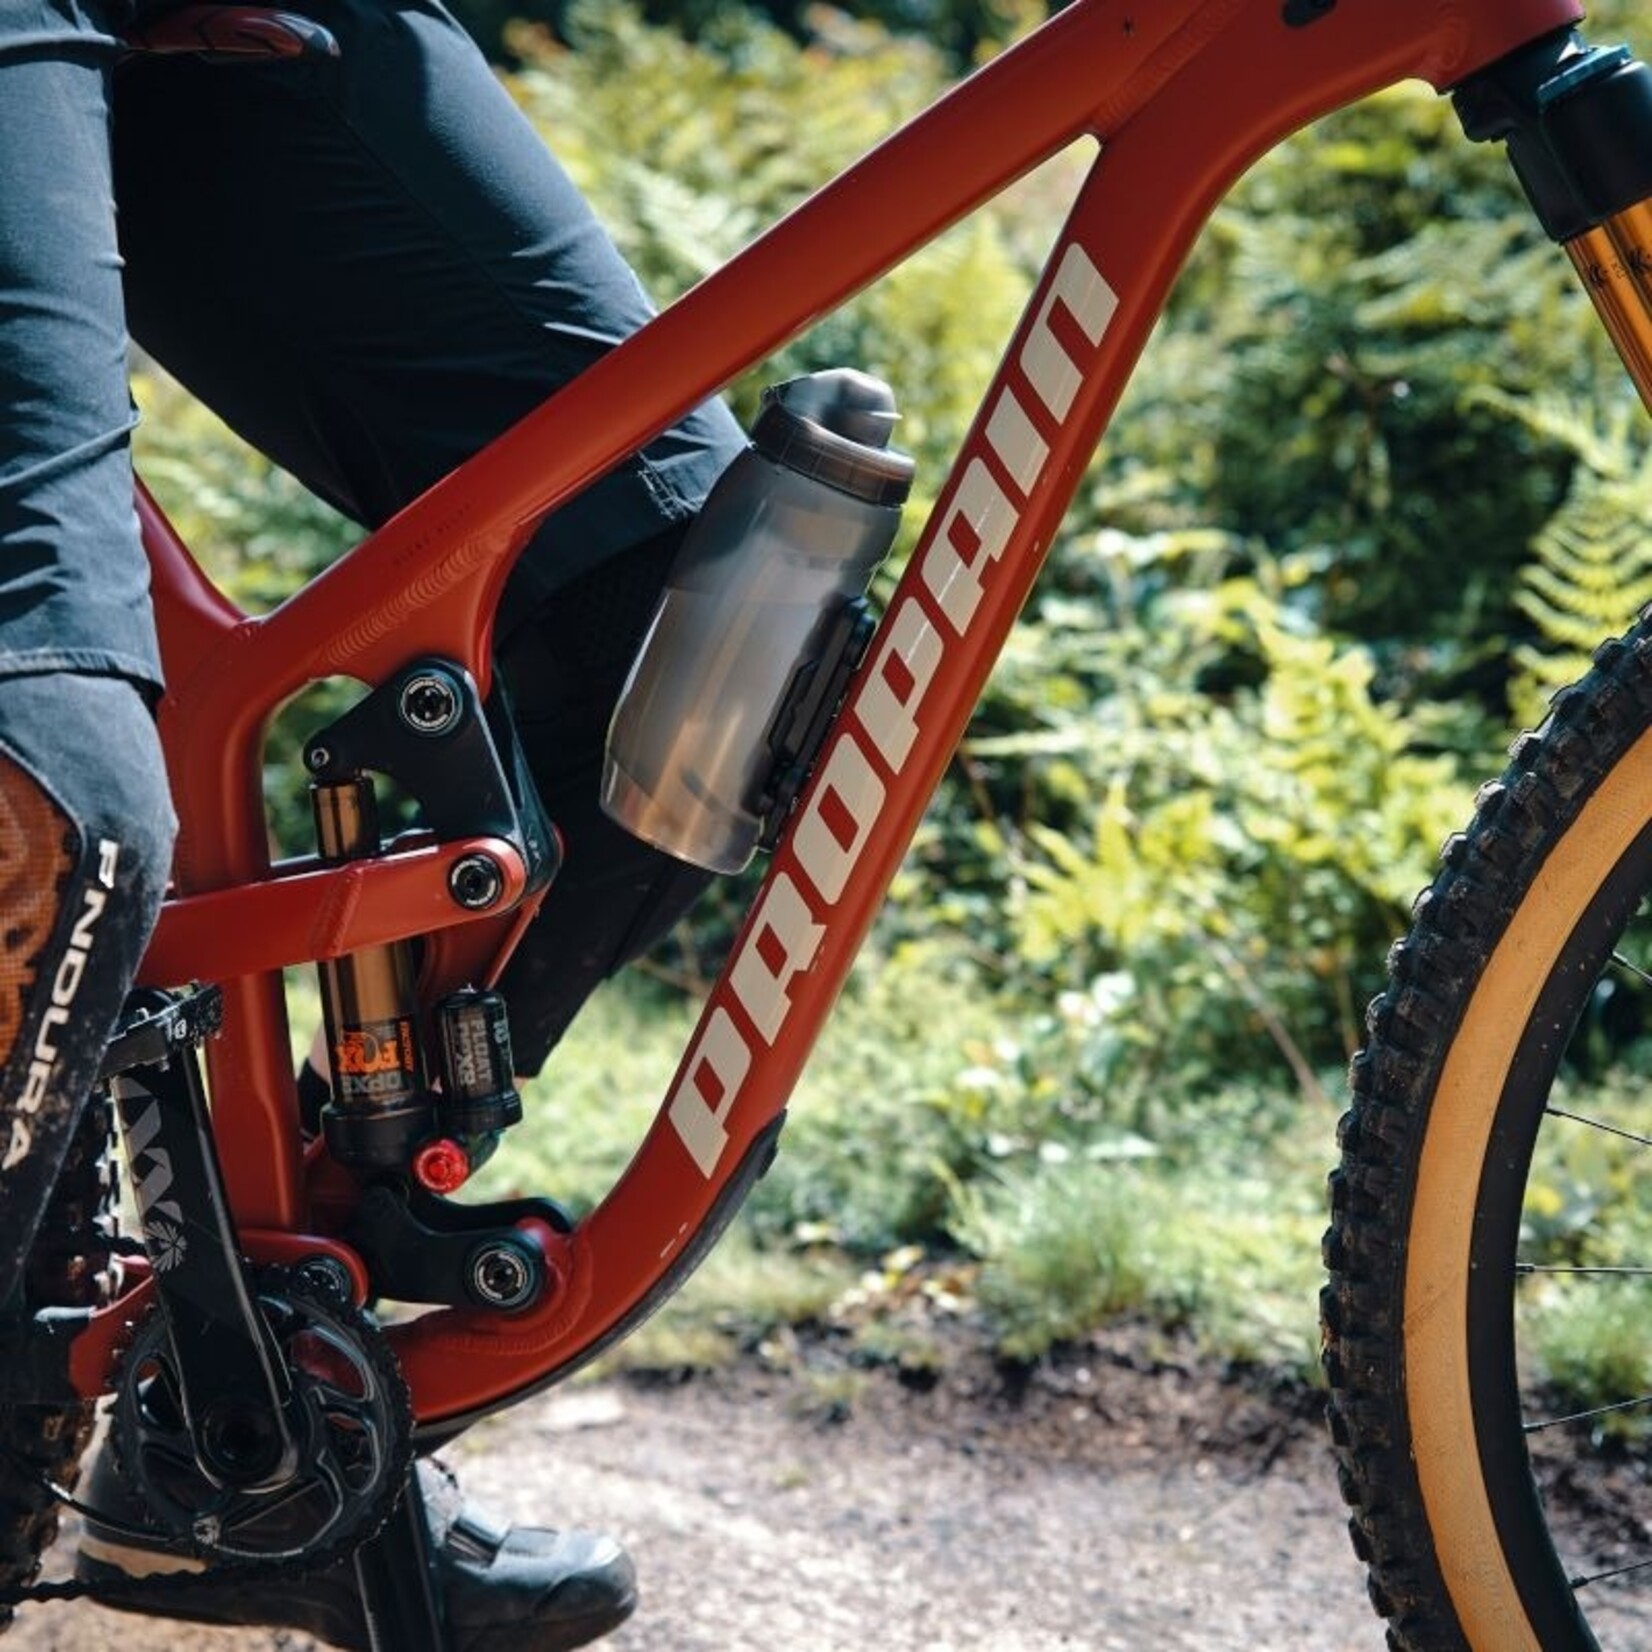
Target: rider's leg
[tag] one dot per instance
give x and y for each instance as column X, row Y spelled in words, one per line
column 85, row 845
column 397, row 271
column 85, row 825
column 616, row 896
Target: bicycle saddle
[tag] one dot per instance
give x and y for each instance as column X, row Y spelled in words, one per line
column 231, row 33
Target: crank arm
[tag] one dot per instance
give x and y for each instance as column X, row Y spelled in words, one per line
column 236, row 1395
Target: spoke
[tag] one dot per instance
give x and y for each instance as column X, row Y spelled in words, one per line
column 1584, row 1416
column 1545, row 1267
column 1584, row 1580
column 1596, row 1124
column 1634, row 969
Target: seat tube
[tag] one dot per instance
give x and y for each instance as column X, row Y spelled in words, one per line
column 1577, row 120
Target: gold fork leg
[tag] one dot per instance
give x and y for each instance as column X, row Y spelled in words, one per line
column 1614, row 261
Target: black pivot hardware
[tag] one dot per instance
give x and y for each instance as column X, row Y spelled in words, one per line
column 426, row 728
column 423, row 1248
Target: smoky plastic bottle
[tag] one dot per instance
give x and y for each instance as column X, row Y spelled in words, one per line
column 791, row 533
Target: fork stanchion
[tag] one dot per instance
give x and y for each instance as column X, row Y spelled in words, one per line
column 396, row 1574
column 1611, row 263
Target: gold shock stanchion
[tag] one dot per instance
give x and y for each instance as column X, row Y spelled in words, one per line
column 1615, row 264
column 381, row 1105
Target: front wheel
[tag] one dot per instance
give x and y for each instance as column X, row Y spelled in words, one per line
column 1488, row 1320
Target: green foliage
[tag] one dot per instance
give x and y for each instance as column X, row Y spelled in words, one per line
column 1361, row 284
column 1584, row 1332
column 1078, row 1243
column 885, row 1118
column 966, row 30
column 1593, row 1349
column 1216, row 816
column 1590, row 570
column 1066, row 1249
column 722, row 141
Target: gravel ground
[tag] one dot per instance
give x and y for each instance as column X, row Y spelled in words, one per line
column 1125, row 1509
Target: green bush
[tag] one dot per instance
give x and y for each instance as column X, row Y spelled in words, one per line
column 1074, row 1243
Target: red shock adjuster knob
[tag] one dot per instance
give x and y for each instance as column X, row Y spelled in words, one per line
column 441, row 1166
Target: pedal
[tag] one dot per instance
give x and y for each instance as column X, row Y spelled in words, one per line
column 157, row 1025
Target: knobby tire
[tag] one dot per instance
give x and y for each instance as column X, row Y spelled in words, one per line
column 1507, row 946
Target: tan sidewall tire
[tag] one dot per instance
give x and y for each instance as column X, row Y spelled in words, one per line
column 1439, row 1396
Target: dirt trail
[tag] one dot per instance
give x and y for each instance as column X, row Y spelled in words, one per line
column 1113, row 1510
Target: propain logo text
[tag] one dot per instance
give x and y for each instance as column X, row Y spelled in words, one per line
column 881, row 723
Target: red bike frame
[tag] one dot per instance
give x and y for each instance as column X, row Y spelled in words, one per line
column 1183, row 95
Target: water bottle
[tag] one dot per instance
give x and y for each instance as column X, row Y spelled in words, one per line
column 752, row 610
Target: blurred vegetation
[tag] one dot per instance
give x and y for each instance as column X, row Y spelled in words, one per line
column 1374, row 490
column 965, row 31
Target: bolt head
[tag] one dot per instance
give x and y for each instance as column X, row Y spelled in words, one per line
column 502, row 1275
column 328, row 1277
column 476, row 882
column 441, row 1166
column 429, row 703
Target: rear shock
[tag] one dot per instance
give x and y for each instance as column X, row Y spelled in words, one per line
column 381, row 1106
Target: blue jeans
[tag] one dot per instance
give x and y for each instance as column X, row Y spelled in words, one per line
column 369, row 267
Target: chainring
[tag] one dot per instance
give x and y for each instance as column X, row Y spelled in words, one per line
column 352, row 1418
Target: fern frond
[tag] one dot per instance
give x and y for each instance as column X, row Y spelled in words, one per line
column 1590, row 570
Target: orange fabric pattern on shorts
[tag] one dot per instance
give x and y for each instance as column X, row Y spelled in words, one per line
column 38, row 848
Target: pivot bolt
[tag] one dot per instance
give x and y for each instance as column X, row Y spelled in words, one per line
column 503, row 1274
column 429, row 703
column 328, row 1278
column 318, row 758
column 476, row 882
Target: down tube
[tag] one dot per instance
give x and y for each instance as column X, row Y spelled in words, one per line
column 954, row 606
